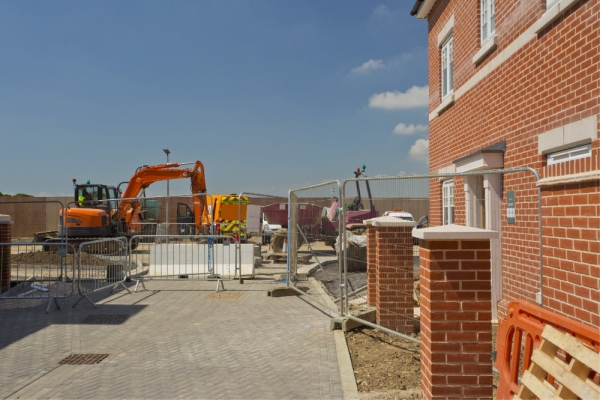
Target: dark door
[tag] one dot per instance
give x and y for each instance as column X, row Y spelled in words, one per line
column 185, row 220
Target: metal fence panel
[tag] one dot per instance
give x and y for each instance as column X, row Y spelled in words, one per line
column 398, row 270
column 30, row 272
column 260, row 229
column 476, row 199
column 189, row 257
column 31, row 215
column 272, row 216
column 102, row 264
column 312, row 233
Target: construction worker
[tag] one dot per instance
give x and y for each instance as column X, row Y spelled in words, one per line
column 84, row 196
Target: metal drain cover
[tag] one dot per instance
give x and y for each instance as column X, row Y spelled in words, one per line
column 106, row 319
column 224, row 296
column 83, row 359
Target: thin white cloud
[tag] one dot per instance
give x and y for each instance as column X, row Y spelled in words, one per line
column 420, row 150
column 368, row 66
column 403, row 129
column 416, row 96
column 381, row 11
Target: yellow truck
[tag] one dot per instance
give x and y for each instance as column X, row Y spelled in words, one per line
column 224, row 213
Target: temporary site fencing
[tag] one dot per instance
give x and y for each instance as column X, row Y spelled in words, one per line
column 190, row 257
column 474, row 198
column 313, row 230
column 98, row 258
column 29, row 273
column 166, row 243
column 101, row 264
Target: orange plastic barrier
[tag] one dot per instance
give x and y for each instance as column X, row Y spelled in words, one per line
column 523, row 317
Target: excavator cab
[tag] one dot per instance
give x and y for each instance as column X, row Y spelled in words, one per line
column 186, row 221
column 97, row 196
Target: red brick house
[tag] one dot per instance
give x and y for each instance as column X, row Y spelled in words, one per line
column 516, row 83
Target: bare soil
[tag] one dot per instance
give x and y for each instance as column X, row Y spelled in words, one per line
column 385, row 366
column 53, row 258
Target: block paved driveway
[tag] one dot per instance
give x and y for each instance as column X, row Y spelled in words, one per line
column 178, row 341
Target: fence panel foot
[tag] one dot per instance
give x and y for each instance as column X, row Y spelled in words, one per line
column 87, row 298
column 122, row 284
column 50, row 303
column 137, row 283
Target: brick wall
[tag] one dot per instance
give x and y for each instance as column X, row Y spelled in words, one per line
column 390, row 272
column 5, row 237
column 571, row 230
column 371, row 266
column 551, row 81
column 456, row 329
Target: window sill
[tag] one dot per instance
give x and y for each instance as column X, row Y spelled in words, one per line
column 553, row 13
column 486, row 48
column 447, row 102
column 567, row 179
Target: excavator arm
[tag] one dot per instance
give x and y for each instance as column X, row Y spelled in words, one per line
column 129, row 208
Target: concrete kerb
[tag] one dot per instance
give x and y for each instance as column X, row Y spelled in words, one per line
column 349, row 387
column 306, row 270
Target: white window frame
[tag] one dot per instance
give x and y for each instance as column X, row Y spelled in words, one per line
column 447, row 67
column 574, row 153
column 448, row 202
column 488, row 20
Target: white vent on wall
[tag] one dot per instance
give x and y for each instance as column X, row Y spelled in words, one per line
column 573, row 153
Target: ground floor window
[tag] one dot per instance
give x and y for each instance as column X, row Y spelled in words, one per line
column 448, row 201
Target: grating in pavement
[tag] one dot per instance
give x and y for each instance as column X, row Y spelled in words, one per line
column 109, row 319
column 224, row 296
column 80, row 359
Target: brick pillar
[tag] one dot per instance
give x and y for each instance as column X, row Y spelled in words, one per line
column 456, row 307
column 390, row 259
column 371, row 266
column 5, row 237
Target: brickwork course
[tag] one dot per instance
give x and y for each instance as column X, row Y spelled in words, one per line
column 180, row 340
column 456, row 328
column 551, row 80
column 5, row 269
column 390, row 276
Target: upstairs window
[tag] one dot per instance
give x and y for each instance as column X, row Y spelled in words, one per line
column 488, row 19
column 448, row 202
column 447, row 67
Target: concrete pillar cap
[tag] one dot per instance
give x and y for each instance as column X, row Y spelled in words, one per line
column 5, row 218
column 389, row 221
column 454, row 232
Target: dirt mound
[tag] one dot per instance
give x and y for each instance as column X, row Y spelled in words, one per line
column 53, row 258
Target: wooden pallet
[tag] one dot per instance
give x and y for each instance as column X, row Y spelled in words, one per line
column 549, row 377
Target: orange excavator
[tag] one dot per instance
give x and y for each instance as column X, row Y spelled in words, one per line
column 101, row 212
column 127, row 216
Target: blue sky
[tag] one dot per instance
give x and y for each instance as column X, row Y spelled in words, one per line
column 270, row 95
